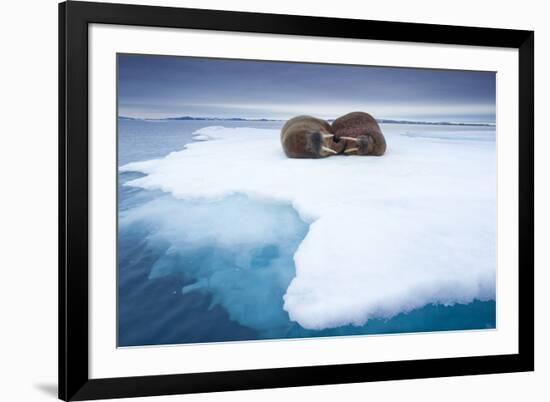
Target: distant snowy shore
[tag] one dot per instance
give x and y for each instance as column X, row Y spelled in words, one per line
column 387, row 235
column 386, row 121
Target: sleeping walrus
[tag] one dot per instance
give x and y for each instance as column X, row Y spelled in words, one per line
column 309, row 137
column 361, row 134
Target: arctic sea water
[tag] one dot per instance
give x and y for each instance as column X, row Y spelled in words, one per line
column 176, row 285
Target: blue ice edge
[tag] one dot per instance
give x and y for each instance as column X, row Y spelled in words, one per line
column 216, row 271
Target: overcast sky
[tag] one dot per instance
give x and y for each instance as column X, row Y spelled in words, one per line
column 168, row 86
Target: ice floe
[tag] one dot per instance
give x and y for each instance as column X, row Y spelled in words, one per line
column 387, row 234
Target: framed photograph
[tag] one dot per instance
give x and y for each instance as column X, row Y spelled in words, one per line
column 258, row 200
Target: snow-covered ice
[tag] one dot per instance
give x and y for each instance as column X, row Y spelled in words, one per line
column 387, row 234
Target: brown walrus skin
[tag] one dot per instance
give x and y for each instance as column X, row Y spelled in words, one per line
column 361, row 133
column 309, row 137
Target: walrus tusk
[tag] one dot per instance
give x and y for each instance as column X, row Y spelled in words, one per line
column 328, row 135
column 351, row 150
column 329, row 150
column 350, row 138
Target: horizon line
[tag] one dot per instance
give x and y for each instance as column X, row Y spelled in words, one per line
column 381, row 120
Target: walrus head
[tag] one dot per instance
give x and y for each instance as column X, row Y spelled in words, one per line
column 357, row 146
column 324, row 144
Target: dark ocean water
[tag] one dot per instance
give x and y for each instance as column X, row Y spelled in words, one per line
column 176, row 286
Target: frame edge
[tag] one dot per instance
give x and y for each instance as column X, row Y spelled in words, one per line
column 62, row 334
column 73, row 200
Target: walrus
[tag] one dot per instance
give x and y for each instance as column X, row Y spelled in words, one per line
column 361, row 133
column 309, row 137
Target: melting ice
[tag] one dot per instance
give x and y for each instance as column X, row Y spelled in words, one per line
column 370, row 237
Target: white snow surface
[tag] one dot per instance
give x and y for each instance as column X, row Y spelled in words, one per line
column 387, row 234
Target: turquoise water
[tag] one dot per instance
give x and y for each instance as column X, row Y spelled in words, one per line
column 197, row 271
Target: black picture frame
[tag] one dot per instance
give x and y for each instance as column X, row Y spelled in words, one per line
column 74, row 18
